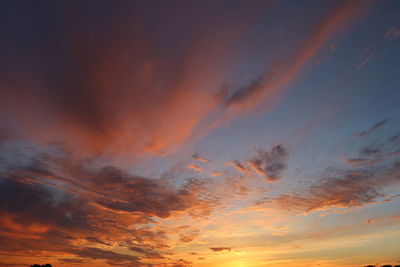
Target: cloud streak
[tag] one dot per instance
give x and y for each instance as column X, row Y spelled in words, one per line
column 279, row 75
column 372, row 128
column 196, row 156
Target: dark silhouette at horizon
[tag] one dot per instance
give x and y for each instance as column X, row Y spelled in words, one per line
column 38, row 265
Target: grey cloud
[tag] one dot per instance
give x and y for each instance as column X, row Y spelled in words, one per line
column 196, row 156
column 372, row 128
column 270, row 163
column 232, row 97
column 110, row 257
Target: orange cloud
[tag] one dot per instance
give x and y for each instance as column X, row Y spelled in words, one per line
column 117, row 92
column 338, row 189
column 239, row 166
column 214, row 173
column 195, row 167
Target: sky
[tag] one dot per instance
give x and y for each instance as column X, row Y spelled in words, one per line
column 200, row 133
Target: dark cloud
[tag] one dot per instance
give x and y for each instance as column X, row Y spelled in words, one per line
column 95, row 240
column 147, row 253
column 35, row 204
column 218, row 249
column 110, row 257
column 270, row 163
column 53, row 200
column 110, row 187
column 196, row 156
column 189, row 237
column 72, row 261
column 243, row 93
column 368, row 151
column 138, row 194
column 372, row 128
column 376, row 152
column 13, row 264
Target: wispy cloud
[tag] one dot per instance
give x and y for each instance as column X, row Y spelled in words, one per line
column 279, row 75
column 393, row 33
column 372, row 128
column 197, row 157
column 218, row 249
column 239, row 166
column 195, row 167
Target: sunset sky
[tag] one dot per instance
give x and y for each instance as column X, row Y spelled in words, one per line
column 200, row 133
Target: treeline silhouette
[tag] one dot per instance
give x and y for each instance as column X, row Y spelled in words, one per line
column 38, row 265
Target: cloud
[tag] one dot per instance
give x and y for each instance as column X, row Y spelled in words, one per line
column 279, row 75
column 372, row 128
column 357, row 162
column 148, row 253
column 366, row 58
column 373, row 168
column 35, row 216
column 32, row 209
column 376, row 152
column 218, row 249
column 251, row 89
column 68, row 206
column 139, row 194
column 71, row 261
column 339, row 189
column 110, row 257
column 351, row 190
column 189, row 237
column 384, row 220
column 393, row 34
column 197, row 157
column 239, row 166
column 116, row 91
column 269, row 163
column 195, row 167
